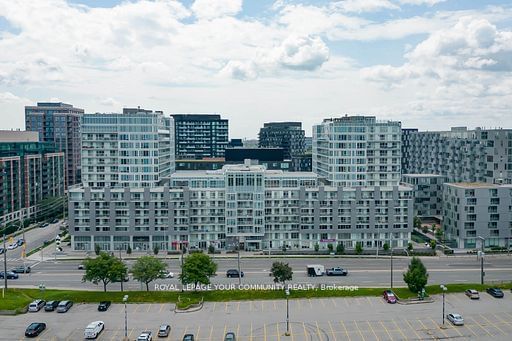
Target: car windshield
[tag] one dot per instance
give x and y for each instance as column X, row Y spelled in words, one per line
column 33, row 326
column 163, row 328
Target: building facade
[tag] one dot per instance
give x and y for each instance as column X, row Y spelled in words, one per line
column 245, row 204
column 200, row 136
column 473, row 210
column 427, row 192
column 286, row 135
column 354, row 151
column 460, row 155
column 30, row 171
column 132, row 149
column 59, row 123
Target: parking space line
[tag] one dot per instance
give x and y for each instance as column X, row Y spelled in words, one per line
column 275, row 307
column 456, row 329
column 250, row 337
column 250, row 305
column 214, row 305
column 425, row 327
column 262, row 306
column 211, row 332
column 469, row 327
column 184, row 332
column 373, row 331
column 291, row 332
column 318, row 331
column 481, row 326
column 359, row 330
column 238, row 307
column 149, row 307
column 322, row 302
column 332, row 331
column 346, row 302
column 226, row 307
column 440, row 327
column 161, row 307
column 225, row 327
column 502, row 320
column 198, row 330
column 130, row 333
column 493, row 324
column 278, row 332
column 369, row 301
column 310, row 303
column 334, row 302
column 410, row 326
column 114, row 336
column 386, row 329
column 238, row 329
column 345, row 329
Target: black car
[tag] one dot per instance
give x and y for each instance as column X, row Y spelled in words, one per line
column 495, row 292
column 34, row 329
column 10, row 275
column 234, row 273
column 55, row 221
column 51, row 305
column 188, row 337
column 21, row 269
column 104, row 305
column 44, row 225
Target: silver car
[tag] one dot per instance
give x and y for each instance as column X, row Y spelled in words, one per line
column 455, row 319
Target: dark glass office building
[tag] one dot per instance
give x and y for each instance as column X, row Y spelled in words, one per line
column 287, row 135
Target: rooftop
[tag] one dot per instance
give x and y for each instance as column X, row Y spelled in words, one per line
column 426, row 175
column 471, row 185
column 18, row 136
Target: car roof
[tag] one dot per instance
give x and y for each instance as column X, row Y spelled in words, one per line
column 94, row 324
column 456, row 315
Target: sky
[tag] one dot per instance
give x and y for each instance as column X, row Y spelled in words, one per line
column 431, row 64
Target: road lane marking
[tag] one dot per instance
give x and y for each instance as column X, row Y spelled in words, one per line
column 345, row 329
column 386, row 329
column 373, row 331
column 332, row 331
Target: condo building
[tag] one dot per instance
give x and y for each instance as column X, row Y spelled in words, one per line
column 59, row 123
column 427, row 192
column 353, row 151
column 244, row 203
column 286, row 135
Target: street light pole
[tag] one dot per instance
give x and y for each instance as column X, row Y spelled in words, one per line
column 391, row 267
column 444, row 290
column 125, row 299
column 239, row 272
column 287, row 312
column 482, row 273
column 5, row 263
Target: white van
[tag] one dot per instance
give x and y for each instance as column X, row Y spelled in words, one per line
column 315, row 270
column 36, row 306
column 94, row 329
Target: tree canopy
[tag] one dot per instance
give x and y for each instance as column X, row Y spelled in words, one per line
column 281, row 272
column 148, row 268
column 198, row 268
column 416, row 276
column 105, row 269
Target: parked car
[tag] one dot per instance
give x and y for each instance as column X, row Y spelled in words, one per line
column 10, row 275
column 94, row 329
column 55, row 221
column 20, row 242
column 34, row 329
column 455, row 319
column 36, row 306
column 21, row 269
column 473, row 294
column 51, row 305
column 145, row 336
column 336, row 272
column 43, row 225
column 230, row 336
column 12, row 246
column 104, row 305
column 234, row 273
column 188, row 337
column 495, row 292
column 389, row 296
column 64, row 306
column 2, row 250
column 164, row 330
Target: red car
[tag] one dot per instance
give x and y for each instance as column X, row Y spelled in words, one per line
column 389, row 296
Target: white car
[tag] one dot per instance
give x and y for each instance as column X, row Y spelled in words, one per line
column 455, row 319
column 94, row 329
column 169, row 274
column 145, row 336
column 12, row 246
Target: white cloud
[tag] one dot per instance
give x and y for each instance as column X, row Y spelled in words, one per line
column 302, row 53
column 421, row 2
column 208, row 9
column 365, row 5
column 110, row 102
column 240, row 70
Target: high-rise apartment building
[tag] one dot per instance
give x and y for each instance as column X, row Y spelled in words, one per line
column 200, row 136
column 30, row 171
column 476, row 211
column 59, row 123
column 245, row 204
column 353, row 151
column 427, row 190
column 287, row 135
column 132, row 149
column 460, row 155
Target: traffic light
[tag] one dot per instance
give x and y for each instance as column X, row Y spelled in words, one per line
column 57, row 244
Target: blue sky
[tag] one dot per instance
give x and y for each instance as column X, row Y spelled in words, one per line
column 428, row 63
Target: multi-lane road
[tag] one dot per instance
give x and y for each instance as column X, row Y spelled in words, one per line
column 363, row 272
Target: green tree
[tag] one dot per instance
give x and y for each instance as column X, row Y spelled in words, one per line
column 330, row 247
column 211, row 249
column 148, row 268
column 105, row 269
column 385, row 246
column 281, row 272
column 197, row 268
column 156, row 249
column 317, row 247
column 417, row 222
column 340, row 249
column 129, row 250
column 97, row 249
column 416, row 276
column 439, row 234
column 433, row 244
column 359, row 248
column 409, row 246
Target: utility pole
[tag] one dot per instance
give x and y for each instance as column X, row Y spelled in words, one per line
column 482, row 273
column 391, row 267
column 239, row 272
column 444, row 290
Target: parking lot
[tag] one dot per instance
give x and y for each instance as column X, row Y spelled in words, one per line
column 365, row 318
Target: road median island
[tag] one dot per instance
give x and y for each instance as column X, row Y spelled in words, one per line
column 17, row 299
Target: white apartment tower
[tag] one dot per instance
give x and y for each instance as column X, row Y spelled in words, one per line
column 357, row 151
column 132, row 149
